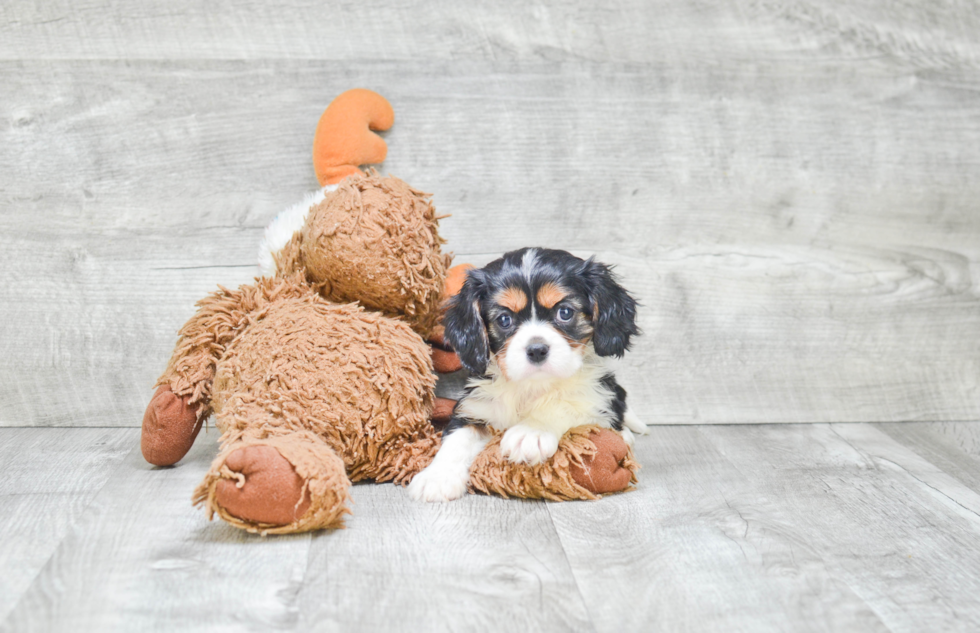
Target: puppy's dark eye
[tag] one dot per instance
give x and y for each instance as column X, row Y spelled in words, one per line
column 565, row 313
column 505, row 321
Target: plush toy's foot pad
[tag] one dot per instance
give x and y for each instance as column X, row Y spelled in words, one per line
column 604, row 472
column 277, row 484
column 267, row 490
column 170, row 426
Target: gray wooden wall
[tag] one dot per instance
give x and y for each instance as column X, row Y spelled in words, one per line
column 791, row 188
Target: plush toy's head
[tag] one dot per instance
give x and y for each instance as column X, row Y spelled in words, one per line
column 362, row 238
column 371, row 240
column 375, row 240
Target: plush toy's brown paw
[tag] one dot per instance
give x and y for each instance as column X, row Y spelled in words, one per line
column 269, row 491
column 444, row 359
column 170, row 425
column 442, row 411
column 604, row 471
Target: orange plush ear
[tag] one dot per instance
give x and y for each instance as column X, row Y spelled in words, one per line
column 455, row 277
column 345, row 135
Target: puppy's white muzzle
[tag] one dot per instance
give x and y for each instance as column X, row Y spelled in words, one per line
column 539, row 351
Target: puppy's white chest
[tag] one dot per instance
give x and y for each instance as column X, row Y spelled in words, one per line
column 555, row 406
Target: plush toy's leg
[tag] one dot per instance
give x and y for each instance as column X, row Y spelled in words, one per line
column 276, row 484
column 183, row 398
column 170, row 426
column 219, row 318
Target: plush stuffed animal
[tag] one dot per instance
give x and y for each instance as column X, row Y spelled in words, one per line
column 318, row 374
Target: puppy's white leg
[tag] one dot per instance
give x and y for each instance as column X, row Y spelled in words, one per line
column 446, row 478
column 633, row 423
column 525, row 445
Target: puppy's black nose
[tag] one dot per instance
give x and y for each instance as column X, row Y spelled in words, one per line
column 537, row 351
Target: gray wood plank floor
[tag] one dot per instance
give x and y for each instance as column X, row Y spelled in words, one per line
column 829, row 527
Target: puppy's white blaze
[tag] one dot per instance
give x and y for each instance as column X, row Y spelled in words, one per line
column 554, row 405
column 528, row 262
column 562, row 360
column 448, row 476
column 634, row 423
column 283, row 226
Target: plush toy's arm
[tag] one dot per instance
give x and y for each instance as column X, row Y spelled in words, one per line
column 183, row 398
column 590, row 461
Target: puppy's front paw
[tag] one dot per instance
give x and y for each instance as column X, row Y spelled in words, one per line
column 634, row 423
column 627, row 436
column 523, row 445
column 436, row 483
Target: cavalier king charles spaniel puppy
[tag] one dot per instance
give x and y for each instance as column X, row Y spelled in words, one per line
column 533, row 329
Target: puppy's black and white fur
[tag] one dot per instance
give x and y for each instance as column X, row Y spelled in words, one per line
column 533, row 328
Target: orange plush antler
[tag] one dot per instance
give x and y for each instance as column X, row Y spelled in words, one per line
column 345, row 135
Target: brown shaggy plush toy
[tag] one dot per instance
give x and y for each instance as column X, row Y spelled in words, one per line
column 319, row 375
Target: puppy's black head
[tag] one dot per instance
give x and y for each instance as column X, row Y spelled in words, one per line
column 535, row 310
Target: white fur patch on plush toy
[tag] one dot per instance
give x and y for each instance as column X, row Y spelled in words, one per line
column 283, row 226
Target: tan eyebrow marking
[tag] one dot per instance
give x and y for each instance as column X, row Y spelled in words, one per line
column 550, row 294
column 512, row 298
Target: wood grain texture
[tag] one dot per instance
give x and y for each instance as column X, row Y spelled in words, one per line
column 784, row 527
column 939, row 33
column 142, row 558
column 732, row 528
column 479, row 564
column 49, row 477
column 632, row 30
column 954, row 447
column 789, row 188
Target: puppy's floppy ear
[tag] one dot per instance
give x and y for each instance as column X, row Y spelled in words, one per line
column 613, row 310
column 465, row 330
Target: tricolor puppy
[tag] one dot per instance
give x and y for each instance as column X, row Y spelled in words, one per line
column 533, row 328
